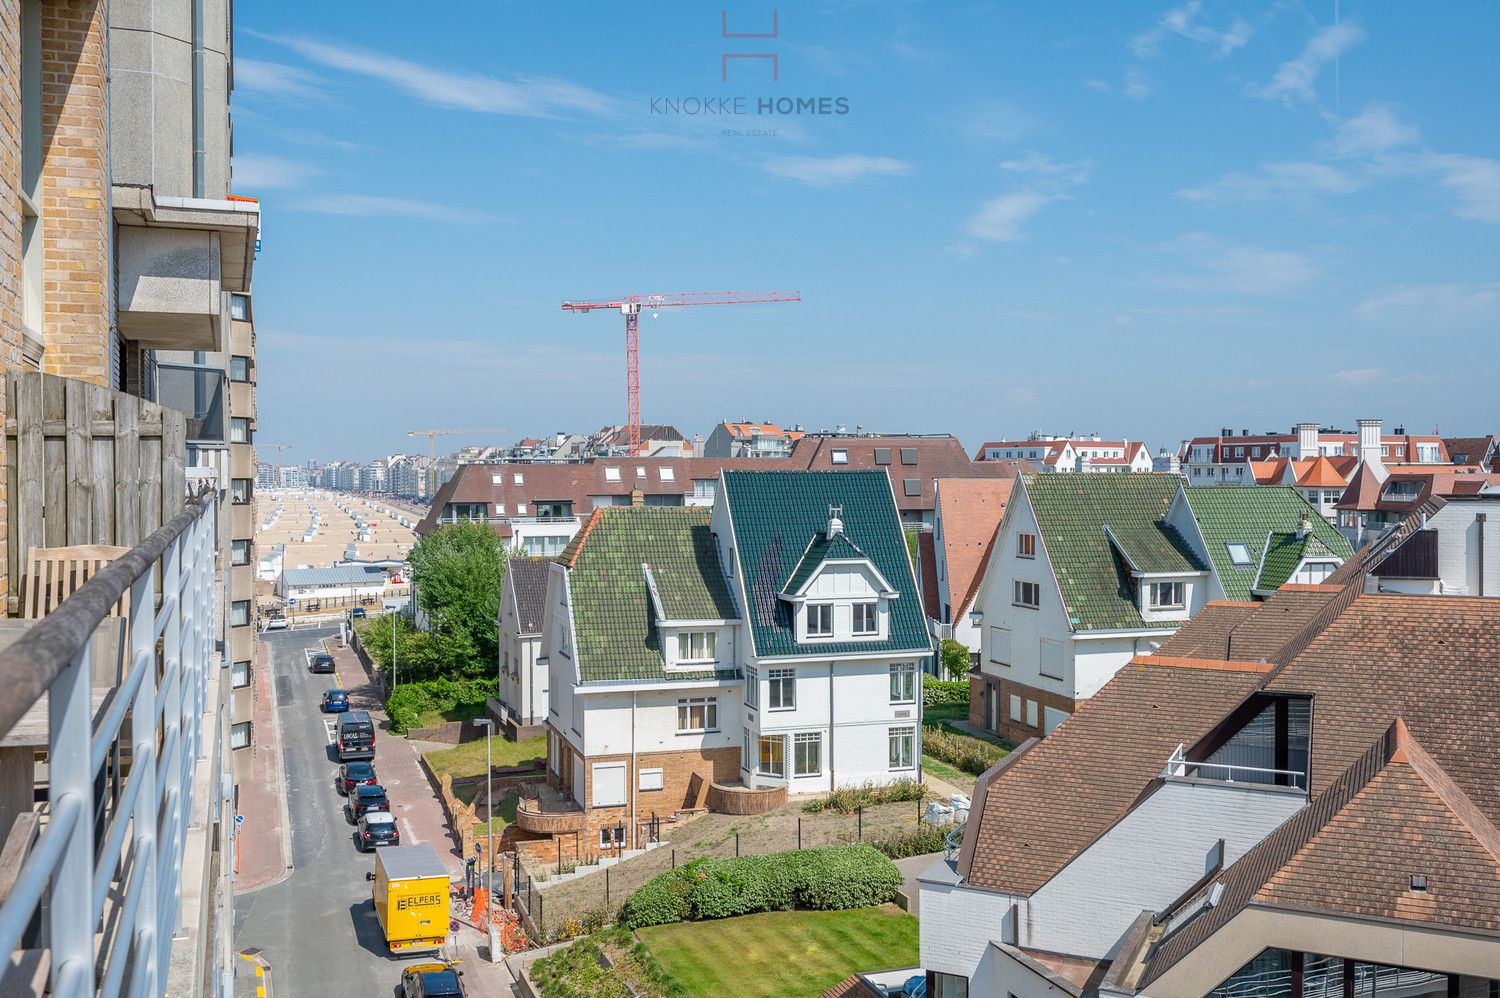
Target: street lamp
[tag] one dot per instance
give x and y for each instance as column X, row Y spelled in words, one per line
column 489, row 815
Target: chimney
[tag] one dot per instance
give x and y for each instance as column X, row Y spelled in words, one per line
column 835, row 524
column 1304, row 527
column 637, row 497
column 1369, row 447
column 1307, row 441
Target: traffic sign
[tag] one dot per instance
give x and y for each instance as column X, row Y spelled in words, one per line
column 239, row 819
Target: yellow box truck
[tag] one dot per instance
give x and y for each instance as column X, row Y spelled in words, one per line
column 411, row 898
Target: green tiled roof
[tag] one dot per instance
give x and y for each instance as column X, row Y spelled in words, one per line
column 1284, row 552
column 1072, row 511
column 776, row 513
column 820, row 549
column 1241, row 514
column 613, row 617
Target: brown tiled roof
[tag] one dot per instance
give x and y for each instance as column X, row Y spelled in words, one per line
column 1209, row 635
column 1363, row 491
column 1078, row 781
column 1391, row 814
column 1469, row 450
column 971, row 509
column 853, row 986
column 527, row 578
column 937, row 457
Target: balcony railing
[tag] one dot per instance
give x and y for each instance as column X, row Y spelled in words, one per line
column 1180, row 767
column 105, row 874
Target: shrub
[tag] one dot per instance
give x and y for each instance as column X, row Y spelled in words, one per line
column 917, row 841
column 834, row 877
column 954, row 657
column 845, row 800
column 936, row 692
column 407, row 705
column 972, row 755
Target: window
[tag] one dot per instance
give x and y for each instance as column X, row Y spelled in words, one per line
column 640, row 472
column 948, row 986
column 752, row 689
column 612, row 837
column 697, row 646
column 611, row 474
column 903, row 748
column 864, row 618
column 239, row 675
column 497, row 479
column 1031, row 713
column 239, row 430
column 908, row 455
column 772, row 756
column 239, row 307
column 667, row 474
column 239, row 491
column 1026, row 545
column 807, row 754
column 1052, row 658
column 1027, row 594
column 239, row 613
column 1167, row 595
column 882, row 455
column 608, row 784
column 562, row 639
column 652, row 779
column 781, row 689
column 239, row 735
column 239, row 552
column 1402, row 491
column 239, row 368
column 517, row 478
column 696, row 715
column 911, row 486
column 904, row 682
column 1015, row 707
column 839, row 456
column 1239, row 556
column 819, row 620
column 1000, row 645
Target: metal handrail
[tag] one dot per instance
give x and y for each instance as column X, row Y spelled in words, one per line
column 1178, row 765
column 29, row 667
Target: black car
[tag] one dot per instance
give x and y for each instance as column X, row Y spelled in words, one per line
column 321, row 662
column 367, row 799
column 354, row 774
column 431, row 980
column 378, row 828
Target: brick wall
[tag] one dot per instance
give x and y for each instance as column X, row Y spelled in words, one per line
column 1012, row 730
column 10, row 234
column 74, row 194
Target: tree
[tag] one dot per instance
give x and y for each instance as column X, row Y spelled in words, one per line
column 457, row 572
column 419, row 655
column 955, row 659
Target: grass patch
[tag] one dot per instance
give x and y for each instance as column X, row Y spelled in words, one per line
column 505, row 814
column 783, row 952
column 940, row 770
column 945, row 712
column 458, row 712
column 468, row 759
column 579, row 971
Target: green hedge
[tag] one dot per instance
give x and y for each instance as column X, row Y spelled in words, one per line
column 832, row 878
column 412, row 700
column 936, row 692
column 917, row 841
column 846, row 800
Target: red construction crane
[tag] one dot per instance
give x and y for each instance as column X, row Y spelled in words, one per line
column 630, row 306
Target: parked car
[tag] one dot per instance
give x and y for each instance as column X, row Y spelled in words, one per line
column 367, row 800
column 358, row 613
column 321, row 662
column 378, row 828
column 355, row 774
column 355, row 734
column 431, row 980
column 277, row 624
column 335, row 701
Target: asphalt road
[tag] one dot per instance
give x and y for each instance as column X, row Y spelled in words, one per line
column 317, row 928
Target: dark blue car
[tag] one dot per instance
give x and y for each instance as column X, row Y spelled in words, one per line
column 335, row 701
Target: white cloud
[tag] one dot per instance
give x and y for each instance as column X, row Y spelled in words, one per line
column 1248, row 270
column 1044, row 166
column 1276, row 179
column 1021, row 396
column 1359, row 376
column 1473, row 181
column 276, row 78
column 1295, row 79
column 999, row 219
column 318, row 140
column 253, row 172
column 372, row 205
column 826, row 171
column 1135, row 86
column 1374, row 130
column 534, row 97
column 1183, row 22
column 1434, row 305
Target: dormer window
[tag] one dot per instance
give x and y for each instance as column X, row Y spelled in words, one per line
column 865, row 620
column 840, row 455
column 1167, row 595
column 697, row 646
column 820, row 620
column 611, row 474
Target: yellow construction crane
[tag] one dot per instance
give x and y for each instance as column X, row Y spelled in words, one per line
column 432, row 436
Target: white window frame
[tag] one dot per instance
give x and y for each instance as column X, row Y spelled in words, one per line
column 901, row 745
column 1247, row 562
column 518, row 478
column 995, row 633
column 707, row 641
column 1025, row 545
column 709, row 706
column 1015, row 708
column 667, row 474
column 752, row 689
column 823, row 610
column 1019, row 591
column 903, row 682
column 781, row 689
column 839, row 455
column 651, row 779
column 760, row 758
column 801, row 741
column 611, row 474
column 1153, row 596
column 871, row 610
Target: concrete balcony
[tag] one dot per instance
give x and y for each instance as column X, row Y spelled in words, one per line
column 544, row 811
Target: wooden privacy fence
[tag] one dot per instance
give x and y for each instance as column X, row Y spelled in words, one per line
column 85, row 465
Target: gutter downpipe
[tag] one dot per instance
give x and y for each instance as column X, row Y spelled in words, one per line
column 635, row 780
column 200, row 181
column 832, row 773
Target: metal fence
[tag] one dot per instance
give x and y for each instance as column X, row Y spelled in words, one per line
column 96, row 899
column 552, row 910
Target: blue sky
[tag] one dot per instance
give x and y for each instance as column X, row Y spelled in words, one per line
column 1132, row 219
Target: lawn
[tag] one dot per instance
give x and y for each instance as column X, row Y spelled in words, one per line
column 459, row 712
column 468, row 759
column 940, row 770
column 783, row 952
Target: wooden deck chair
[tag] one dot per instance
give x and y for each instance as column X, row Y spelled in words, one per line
column 54, row 574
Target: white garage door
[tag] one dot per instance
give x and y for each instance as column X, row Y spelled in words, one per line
column 609, row 784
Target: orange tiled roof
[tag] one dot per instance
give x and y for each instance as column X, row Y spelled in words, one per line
column 971, row 510
column 1319, row 473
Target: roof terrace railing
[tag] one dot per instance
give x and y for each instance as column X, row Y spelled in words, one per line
column 106, row 871
column 1180, row 767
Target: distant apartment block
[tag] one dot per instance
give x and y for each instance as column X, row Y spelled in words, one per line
column 1089, row 454
column 1223, row 458
column 750, row 439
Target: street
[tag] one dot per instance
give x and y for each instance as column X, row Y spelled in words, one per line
column 317, row 928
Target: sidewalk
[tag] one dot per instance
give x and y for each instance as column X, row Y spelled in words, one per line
column 262, row 858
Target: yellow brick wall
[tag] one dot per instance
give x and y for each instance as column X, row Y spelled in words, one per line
column 10, row 233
